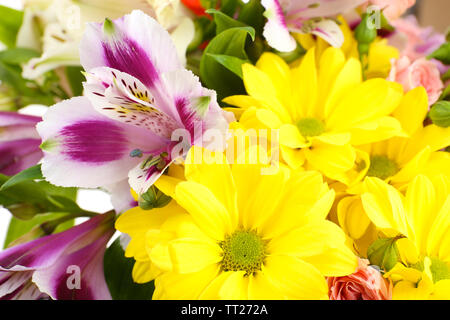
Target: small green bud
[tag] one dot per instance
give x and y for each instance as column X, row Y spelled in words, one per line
column 440, row 114
column 153, row 198
column 23, row 211
column 366, row 31
column 384, row 253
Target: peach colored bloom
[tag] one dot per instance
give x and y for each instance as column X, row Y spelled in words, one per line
column 393, row 9
column 366, row 283
column 421, row 72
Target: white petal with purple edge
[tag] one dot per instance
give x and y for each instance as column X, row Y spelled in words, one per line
column 136, row 44
column 330, row 32
column 276, row 31
column 142, row 177
column 84, row 148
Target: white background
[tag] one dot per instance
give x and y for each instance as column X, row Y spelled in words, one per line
column 93, row 200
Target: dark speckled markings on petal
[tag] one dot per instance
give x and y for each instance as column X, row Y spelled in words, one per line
column 94, row 141
column 128, row 56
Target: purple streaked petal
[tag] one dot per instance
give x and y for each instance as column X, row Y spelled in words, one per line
column 43, row 252
column 329, row 31
column 122, row 97
column 18, row 155
column 196, row 106
column 14, row 118
column 137, row 44
column 12, row 281
column 89, row 259
column 276, row 31
column 141, row 179
column 87, row 149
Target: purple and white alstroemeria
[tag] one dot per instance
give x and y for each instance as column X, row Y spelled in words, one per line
column 304, row 16
column 137, row 98
column 19, row 142
column 63, row 266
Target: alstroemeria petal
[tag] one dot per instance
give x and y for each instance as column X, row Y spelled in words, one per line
column 329, row 31
column 124, row 98
column 55, row 280
column 18, row 155
column 86, row 149
column 196, row 107
column 135, row 44
column 276, row 31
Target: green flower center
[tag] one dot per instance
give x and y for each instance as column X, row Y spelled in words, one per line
column 382, row 167
column 243, row 251
column 438, row 268
column 310, row 127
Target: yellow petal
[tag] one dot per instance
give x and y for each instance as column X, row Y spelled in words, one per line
column 260, row 86
column 215, row 175
column 384, row 205
column 192, row 255
column 367, row 101
column 305, row 90
column 309, row 240
column 243, row 102
column 177, row 286
column 412, row 110
column 144, row 271
column 347, row 79
column 260, row 288
column 421, row 207
column 295, row 278
column 227, row 286
column 330, row 159
column 208, row 212
column 352, row 217
column 290, row 137
column 295, row 158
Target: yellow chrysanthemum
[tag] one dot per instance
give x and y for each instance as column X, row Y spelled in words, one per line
column 397, row 161
column 322, row 110
column 422, row 220
column 234, row 233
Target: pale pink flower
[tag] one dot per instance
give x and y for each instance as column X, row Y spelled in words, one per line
column 393, row 9
column 421, row 72
column 366, row 283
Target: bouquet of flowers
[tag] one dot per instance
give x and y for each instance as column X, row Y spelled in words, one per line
column 252, row 149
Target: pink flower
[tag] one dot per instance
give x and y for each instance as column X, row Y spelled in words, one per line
column 365, row 284
column 393, row 9
column 421, row 72
column 414, row 41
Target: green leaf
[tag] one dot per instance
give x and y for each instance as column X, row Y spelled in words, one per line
column 440, row 114
column 10, row 23
column 231, row 63
column 29, row 198
column 442, row 54
column 214, row 75
column 252, row 15
column 118, row 270
column 229, row 6
column 384, row 253
column 19, row 228
column 76, row 78
column 27, row 174
column 18, row 56
column 224, row 22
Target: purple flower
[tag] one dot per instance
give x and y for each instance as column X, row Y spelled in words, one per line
column 308, row 16
column 66, row 265
column 137, row 98
column 19, row 142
